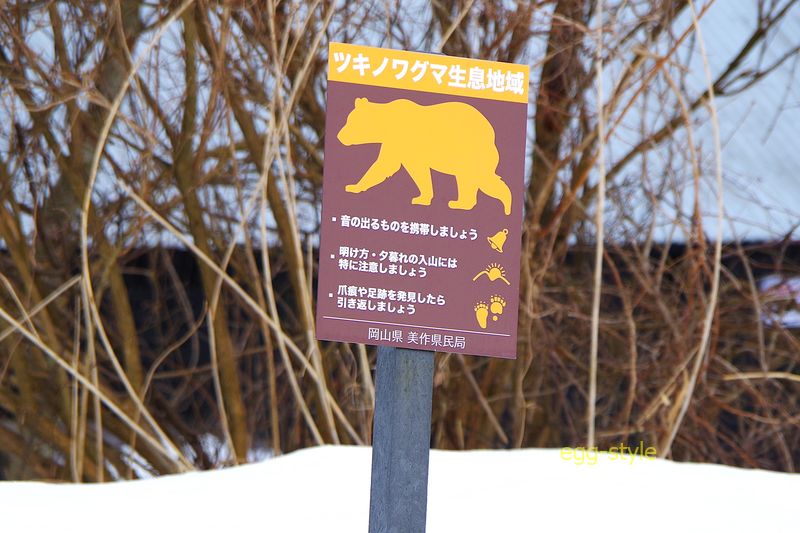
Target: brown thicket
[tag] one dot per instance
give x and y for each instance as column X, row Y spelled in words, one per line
column 160, row 175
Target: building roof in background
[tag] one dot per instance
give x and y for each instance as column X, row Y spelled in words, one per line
column 759, row 126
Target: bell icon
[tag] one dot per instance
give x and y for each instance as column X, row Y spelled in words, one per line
column 498, row 240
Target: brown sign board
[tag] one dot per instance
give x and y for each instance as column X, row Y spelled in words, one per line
column 422, row 201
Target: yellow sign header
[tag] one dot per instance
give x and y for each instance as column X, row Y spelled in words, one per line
column 433, row 73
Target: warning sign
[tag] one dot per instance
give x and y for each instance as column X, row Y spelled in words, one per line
column 422, row 201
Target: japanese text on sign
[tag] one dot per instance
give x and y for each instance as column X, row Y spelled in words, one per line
column 451, row 75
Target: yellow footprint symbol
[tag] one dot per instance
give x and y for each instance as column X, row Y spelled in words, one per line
column 481, row 313
column 498, row 304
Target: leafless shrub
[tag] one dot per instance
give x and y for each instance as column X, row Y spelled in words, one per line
column 160, row 176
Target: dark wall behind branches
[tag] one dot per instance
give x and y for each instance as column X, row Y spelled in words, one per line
column 169, row 307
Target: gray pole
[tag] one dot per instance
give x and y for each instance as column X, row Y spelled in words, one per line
column 401, row 438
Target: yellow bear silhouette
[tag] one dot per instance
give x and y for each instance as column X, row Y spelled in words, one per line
column 452, row 138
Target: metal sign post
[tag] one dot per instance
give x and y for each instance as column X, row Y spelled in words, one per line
column 420, row 236
column 401, row 440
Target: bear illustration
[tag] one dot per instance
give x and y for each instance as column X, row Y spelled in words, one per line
column 451, row 138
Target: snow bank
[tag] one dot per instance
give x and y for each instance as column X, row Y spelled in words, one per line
column 327, row 489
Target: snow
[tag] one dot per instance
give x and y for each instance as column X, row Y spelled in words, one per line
column 327, row 489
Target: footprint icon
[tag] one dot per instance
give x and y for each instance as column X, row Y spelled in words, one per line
column 498, row 304
column 481, row 313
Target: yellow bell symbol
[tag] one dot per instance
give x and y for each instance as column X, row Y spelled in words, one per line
column 498, row 240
